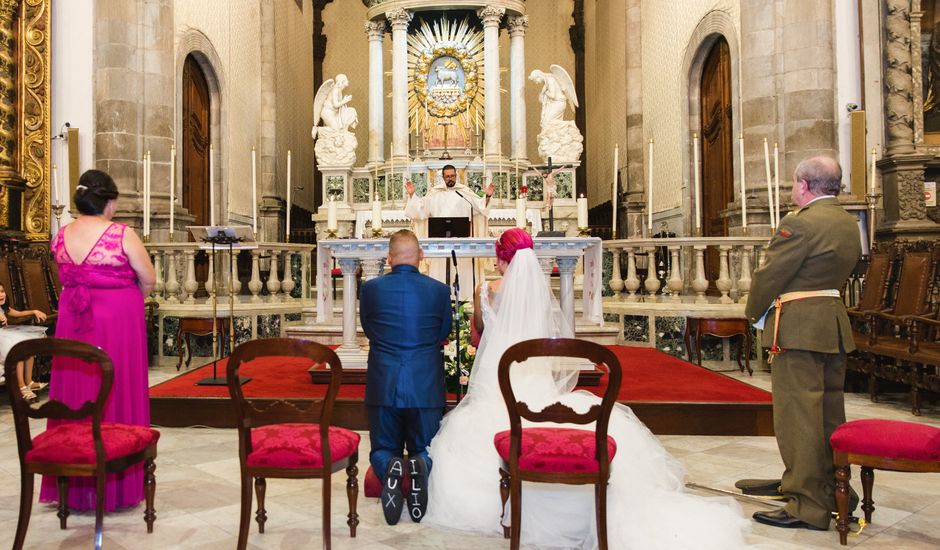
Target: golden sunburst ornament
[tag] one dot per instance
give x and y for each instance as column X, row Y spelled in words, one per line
column 445, row 61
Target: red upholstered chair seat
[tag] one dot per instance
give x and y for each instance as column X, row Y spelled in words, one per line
column 72, row 443
column 298, row 445
column 888, row 438
column 555, row 449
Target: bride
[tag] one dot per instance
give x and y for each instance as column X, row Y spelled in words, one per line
column 647, row 507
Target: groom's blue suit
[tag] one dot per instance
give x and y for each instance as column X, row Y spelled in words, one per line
column 405, row 315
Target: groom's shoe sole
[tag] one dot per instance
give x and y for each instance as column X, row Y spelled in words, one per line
column 418, row 498
column 392, row 498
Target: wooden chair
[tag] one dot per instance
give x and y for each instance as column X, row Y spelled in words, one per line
column 874, row 294
column 527, row 454
column 285, row 440
column 90, row 448
column 883, row 445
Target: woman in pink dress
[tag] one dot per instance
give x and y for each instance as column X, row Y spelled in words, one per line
column 105, row 272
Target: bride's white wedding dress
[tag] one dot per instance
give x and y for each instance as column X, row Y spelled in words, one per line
column 647, row 505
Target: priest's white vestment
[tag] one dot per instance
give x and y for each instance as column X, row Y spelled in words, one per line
column 457, row 201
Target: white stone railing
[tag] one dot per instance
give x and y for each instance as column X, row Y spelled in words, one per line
column 737, row 258
column 175, row 266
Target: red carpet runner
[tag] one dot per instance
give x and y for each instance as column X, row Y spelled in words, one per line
column 648, row 376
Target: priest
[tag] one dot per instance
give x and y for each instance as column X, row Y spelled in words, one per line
column 450, row 199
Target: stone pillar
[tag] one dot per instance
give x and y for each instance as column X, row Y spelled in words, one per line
column 271, row 206
column 376, row 32
column 899, row 116
column 632, row 208
column 399, row 20
column 491, row 16
column 517, row 78
column 348, row 266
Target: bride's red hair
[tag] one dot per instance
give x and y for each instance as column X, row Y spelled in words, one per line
column 510, row 241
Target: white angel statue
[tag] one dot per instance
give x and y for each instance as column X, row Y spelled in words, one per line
column 558, row 138
column 335, row 144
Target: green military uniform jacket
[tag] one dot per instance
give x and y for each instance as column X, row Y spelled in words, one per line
column 814, row 248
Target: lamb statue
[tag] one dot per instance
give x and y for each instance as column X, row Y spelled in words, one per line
column 559, row 139
column 336, row 145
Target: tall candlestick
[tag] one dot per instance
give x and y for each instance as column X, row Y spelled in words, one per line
column 331, row 223
column 254, row 190
column 517, row 178
column 172, row 189
column 770, row 192
column 614, row 196
column 478, row 121
column 697, row 183
column 520, row 212
column 499, row 171
column 582, row 212
column 871, row 185
column 649, row 193
column 777, row 183
column 287, row 232
column 147, row 194
column 55, row 185
column 211, row 186
column 376, row 213
column 743, row 199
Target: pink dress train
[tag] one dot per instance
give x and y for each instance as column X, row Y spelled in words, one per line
column 102, row 305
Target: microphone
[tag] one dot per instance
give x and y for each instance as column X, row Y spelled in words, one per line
column 453, row 255
column 472, row 206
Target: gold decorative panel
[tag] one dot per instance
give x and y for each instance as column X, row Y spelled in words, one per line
column 34, row 104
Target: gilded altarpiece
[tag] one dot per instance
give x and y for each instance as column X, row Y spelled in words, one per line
column 25, row 89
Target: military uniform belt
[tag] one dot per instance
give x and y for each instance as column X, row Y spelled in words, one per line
column 790, row 297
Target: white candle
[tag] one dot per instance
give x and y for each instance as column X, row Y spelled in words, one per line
column 376, row 213
column 254, row 190
column 147, row 194
column 478, row 121
column 697, row 184
column 517, row 178
column 287, row 232
column 172, row 189
column 211, row 186
column 55, row 185
column 743, row 199
column 499, row 171
column 776, row 184
column 582, row 212
column 520, row 213
column 613, row 196
column 331, row 224
column 871, row 186
column 770, row 190
column 649, row 193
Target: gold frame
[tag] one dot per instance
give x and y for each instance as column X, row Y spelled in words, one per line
column 34, row 99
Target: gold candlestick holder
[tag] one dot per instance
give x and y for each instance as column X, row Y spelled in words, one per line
column 586, row 232
column 331, row 233
column 377, row 233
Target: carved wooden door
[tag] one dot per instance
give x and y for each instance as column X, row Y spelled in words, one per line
column 196, row 139
column 717, row 149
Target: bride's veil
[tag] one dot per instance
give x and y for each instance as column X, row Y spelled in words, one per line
column 526, row 309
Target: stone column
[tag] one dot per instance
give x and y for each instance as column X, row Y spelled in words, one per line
column 517, row 77
column 271, row 206
column 491, row 16
column 348, row 266
column 899, row 116
column 376, row 32
column 399, row 20
column 634, row 177
column 566, row 267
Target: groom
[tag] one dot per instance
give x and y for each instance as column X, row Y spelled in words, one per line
column 406, row 316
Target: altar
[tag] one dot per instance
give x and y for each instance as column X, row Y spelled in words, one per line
column 370, row 254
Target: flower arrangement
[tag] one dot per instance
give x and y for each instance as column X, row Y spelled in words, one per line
column 457, row 369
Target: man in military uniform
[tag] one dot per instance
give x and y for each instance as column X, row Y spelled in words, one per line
column 807, row 330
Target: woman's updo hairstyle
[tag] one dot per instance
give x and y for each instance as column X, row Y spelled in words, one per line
column 510, row 241
column 95, row 188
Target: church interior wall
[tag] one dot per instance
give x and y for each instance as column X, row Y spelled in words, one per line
column 233, row 29
column 666, row 30
column 294, row 84
column 606, row 95
column 72, row 87
column 848, row 80
column 347, row 52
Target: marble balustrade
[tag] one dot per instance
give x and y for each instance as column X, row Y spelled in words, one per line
column 685, row 277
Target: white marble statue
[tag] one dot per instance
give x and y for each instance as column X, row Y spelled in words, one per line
column 335, row 144
column 559, row 139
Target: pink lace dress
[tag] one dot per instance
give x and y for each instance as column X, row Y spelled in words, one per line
column 101, row 304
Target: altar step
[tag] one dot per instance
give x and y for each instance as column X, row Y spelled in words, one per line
column 332, row 334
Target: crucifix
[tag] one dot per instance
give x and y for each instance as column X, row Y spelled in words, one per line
column 445, row 155
column 550, row 190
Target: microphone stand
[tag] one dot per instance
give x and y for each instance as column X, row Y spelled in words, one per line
column 473, row 260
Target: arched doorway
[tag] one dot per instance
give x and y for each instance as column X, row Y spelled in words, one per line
column 717, row 147
column 196, row 140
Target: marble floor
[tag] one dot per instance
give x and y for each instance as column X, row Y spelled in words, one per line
column 197, row 496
